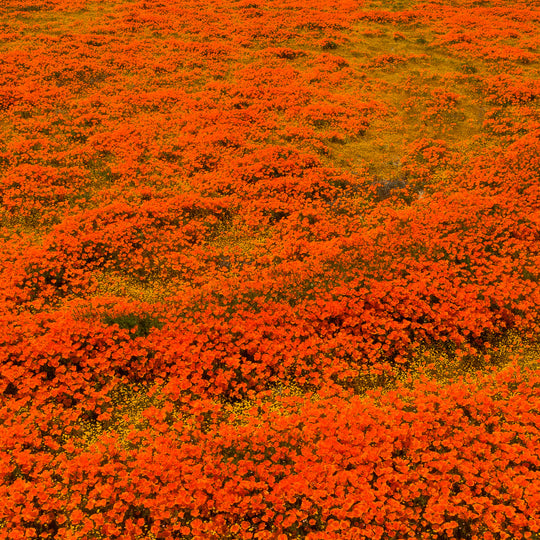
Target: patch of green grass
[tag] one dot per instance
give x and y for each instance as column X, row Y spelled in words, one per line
column 138, row 325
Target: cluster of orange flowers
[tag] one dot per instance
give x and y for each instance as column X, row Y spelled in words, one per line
column 433, row 461
column 221, row 221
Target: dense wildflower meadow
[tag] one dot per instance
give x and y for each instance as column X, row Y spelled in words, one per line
column 269, row 269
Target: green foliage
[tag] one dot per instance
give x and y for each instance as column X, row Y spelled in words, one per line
column 139, row 325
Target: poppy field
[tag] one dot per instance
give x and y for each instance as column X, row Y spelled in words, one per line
column 269, row 269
